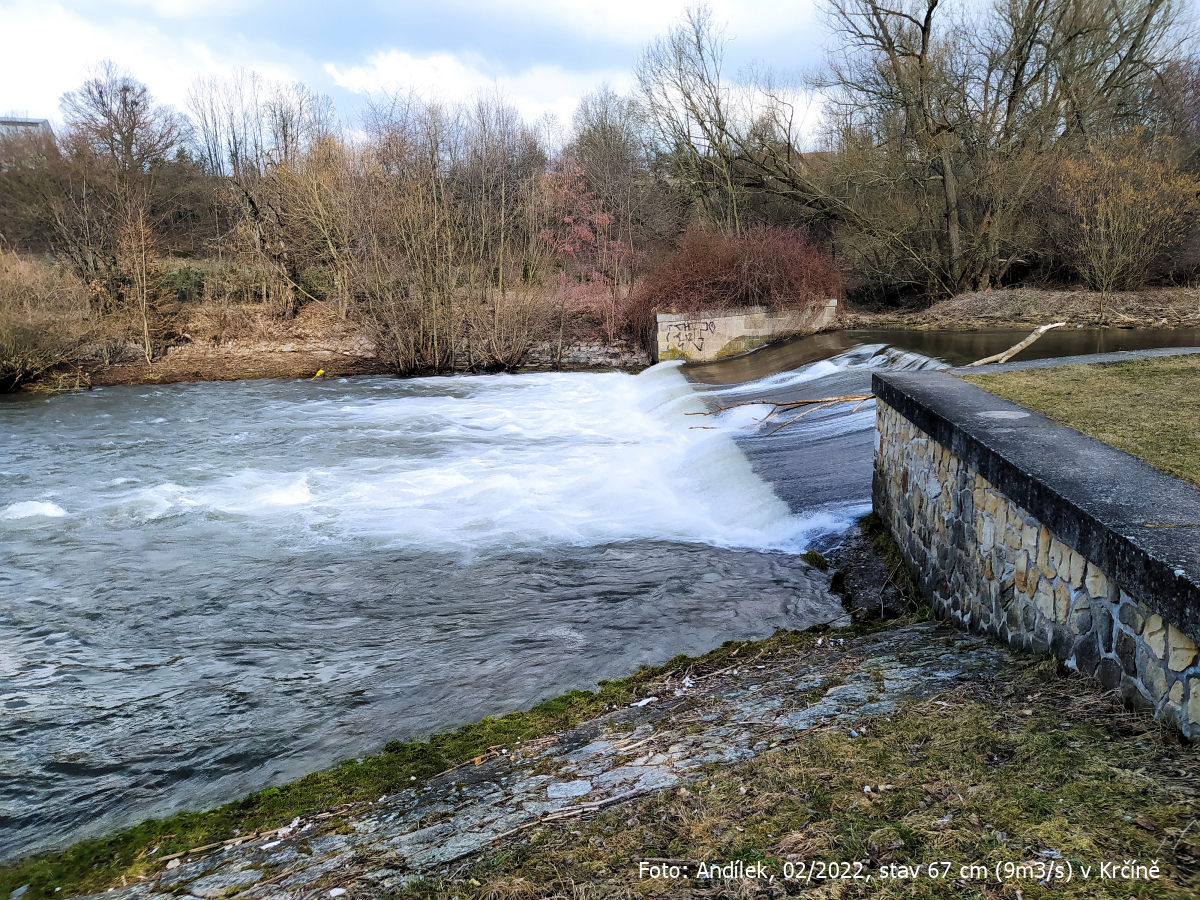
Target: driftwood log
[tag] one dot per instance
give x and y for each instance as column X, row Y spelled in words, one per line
column 792, row 405
column 1016, row 348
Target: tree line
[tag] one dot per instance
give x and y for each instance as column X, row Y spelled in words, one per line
column 960, row 147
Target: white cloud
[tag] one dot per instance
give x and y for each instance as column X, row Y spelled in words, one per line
column 541, row 88
column 636, row 22
column 175, row 9
column 535, row 90
column 50, row 50
column 50, row 46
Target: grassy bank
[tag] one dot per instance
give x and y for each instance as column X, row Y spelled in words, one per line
column 139, row 851
column 1031, row 769
column 1149, row 408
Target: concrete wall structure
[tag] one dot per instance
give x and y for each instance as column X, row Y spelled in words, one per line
column 701, row 337
column 1053, row 542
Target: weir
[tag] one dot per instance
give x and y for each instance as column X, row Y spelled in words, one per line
column 708, row 335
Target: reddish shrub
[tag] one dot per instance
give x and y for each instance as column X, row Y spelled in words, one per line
column 766, row 265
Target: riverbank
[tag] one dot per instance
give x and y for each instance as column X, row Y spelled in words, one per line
column 318, row 340
column 1020, row 307
column 305, row 356
column 915, row 748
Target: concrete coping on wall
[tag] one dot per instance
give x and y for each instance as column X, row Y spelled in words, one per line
column 1139, row 524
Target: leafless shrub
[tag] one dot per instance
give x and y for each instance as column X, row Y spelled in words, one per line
column 44, row 321
column 1123, row 208
column 767, row 266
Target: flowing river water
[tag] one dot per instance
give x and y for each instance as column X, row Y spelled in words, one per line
column 209, row 588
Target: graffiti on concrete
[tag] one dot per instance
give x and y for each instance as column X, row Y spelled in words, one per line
column 689, row 335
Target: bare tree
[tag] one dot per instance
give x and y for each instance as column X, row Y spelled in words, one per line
column 611, row 147
column 117, row 143
column 692, row 110
column 976, row 103
column 256, row 133
column 939, row 122
column 113, row 116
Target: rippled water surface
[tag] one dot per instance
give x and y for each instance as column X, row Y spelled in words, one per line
column 208, row 588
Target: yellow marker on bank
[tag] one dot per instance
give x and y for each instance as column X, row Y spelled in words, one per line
column 320, row 372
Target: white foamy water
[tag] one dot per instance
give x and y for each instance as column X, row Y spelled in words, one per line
column 28, row 509
column 521, row 460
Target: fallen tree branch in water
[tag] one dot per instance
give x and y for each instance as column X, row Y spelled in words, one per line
column 790, row 406
column 1016, row 348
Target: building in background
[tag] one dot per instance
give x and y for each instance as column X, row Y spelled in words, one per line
column 11, row 126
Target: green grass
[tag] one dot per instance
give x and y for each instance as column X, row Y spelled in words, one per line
column 1149, row 408
column 136, row 852
column 998, row 771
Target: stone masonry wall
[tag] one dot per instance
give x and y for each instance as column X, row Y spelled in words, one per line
column 588, row 355
column 992, row 567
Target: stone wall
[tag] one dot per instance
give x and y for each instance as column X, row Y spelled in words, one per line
column 586, row 356
column 1000, row 547
column 545, row 355
column 704, row 336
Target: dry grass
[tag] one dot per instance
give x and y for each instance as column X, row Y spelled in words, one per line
column 1021, row 307
column 44, row 320
column 1150, row 407
column 1030, row 767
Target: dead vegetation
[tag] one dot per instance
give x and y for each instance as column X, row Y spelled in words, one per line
column 1030, row 767
column 1006, row 355
column 458, row 236
column 790, row 406
column 44, row 321
column 1030, row 307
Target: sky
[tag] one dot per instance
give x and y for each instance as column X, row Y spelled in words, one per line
column 541, row 55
